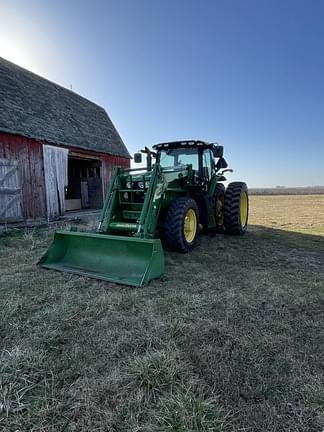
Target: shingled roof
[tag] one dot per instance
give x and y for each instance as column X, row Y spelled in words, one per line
column 37, row 108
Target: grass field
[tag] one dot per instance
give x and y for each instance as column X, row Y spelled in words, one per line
column 231, row 338
column 299, row 213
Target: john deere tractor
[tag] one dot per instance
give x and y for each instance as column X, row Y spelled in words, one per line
column 178, row 195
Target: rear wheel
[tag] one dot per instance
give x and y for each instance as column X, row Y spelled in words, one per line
column 236, row 208
column 181, row 225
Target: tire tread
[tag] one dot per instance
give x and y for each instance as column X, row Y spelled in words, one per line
column 173, row 229
column 233, row 195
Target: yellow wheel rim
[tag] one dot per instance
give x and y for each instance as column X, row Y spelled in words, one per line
column 190, row 225
column 244, row 208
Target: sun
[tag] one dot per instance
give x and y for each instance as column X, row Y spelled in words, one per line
column 12, row 52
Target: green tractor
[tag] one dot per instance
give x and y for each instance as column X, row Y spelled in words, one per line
column 169, row 202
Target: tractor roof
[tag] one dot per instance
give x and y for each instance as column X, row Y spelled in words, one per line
column 184, row 143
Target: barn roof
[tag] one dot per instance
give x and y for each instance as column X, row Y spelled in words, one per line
column 35, row 107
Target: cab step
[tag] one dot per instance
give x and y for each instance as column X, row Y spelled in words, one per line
column 131, row 214
column 123, row 226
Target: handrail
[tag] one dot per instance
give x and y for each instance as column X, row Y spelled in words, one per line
column 164, row 169
column 135, row 169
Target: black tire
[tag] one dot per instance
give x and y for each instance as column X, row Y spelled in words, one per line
column 174, row 232
column 236, row 198
column 219, row 206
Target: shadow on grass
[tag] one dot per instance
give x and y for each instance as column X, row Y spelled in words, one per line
column 288, row 237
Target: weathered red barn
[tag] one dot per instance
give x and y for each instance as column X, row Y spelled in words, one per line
column 57, row 149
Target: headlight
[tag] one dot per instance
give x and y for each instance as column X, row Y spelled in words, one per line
column 129, row 185
column 141, row 185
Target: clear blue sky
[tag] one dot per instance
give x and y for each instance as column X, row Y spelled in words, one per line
column 246, row 73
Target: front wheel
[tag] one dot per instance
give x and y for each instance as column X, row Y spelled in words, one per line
column 181, row 225
column 236, row 208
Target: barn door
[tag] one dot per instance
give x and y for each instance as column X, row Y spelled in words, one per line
column 10, row 191
column 56, row 178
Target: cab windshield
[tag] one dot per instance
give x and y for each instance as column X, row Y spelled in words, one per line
column 179, row 157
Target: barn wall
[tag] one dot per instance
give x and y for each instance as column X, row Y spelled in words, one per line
column 28, row 154
column 108, row 162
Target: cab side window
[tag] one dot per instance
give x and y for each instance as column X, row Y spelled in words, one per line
column 207, row 164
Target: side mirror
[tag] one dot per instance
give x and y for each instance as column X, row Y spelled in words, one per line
column 221, row 164
column 138, row 157
column 218, row 151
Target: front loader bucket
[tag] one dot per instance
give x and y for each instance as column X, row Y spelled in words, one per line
column 124, row 260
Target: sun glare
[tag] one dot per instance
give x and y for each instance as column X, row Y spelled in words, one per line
column 10, row 51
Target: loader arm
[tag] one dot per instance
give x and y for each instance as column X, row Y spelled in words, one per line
column 109, row 204
column 152, row 204
column 132, row 260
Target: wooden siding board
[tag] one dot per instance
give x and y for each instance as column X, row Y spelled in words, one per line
column 56, row 178
column 10, row 191
column 28, row 154
column 107, row 164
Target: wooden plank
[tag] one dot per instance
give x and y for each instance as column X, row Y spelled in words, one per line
column 10, row 191
column 28, row 155
column 8, row 162
column 55, row 168
column 76, row 155
column 73, row 204
column 11, row 209
column 10, row 172
column 84, row 194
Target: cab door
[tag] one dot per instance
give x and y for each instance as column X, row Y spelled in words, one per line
column 207, row 164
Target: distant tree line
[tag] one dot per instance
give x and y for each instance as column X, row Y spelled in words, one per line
column 282, row 190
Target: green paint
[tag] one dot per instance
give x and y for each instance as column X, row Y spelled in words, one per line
column 126, row 248
column 124, row 260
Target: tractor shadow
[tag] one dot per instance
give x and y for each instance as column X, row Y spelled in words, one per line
column 261, row 247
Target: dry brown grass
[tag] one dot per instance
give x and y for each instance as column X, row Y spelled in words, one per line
column 231, row 338
column 300, row 213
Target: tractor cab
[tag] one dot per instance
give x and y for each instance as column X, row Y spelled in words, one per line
column 204, row 158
